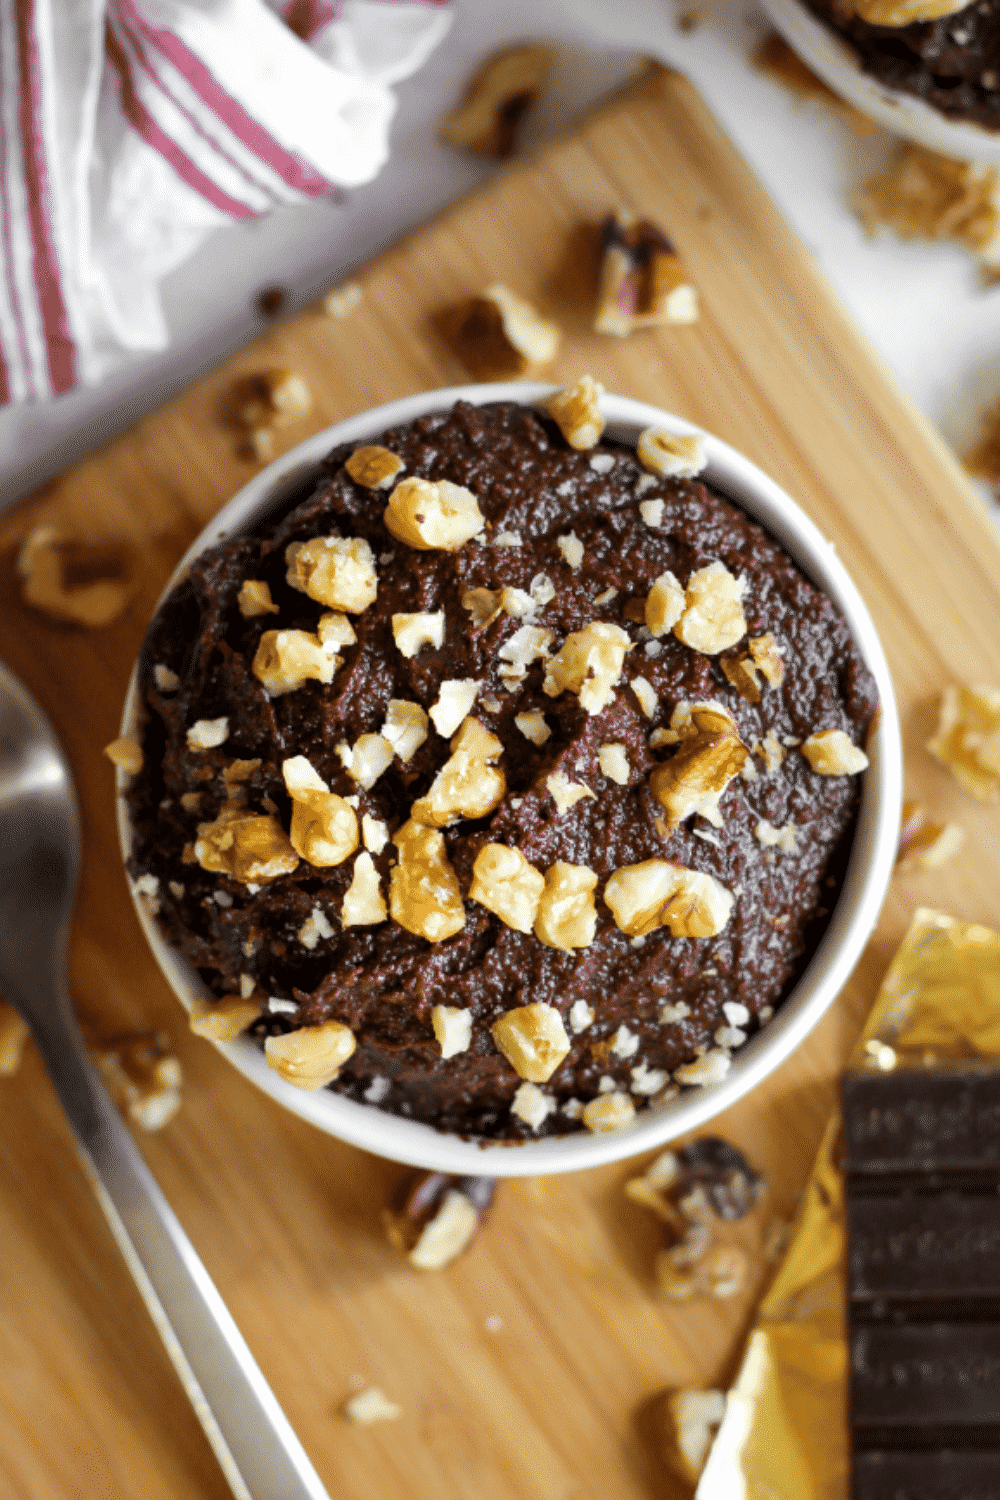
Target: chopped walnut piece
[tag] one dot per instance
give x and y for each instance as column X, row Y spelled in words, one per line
column 342, row 300
column 533, row 1040
column 143, row 1077
column 665, row 604
column 983, row 459
column 254, row 598
column 412, row 631
column 315, row 929
column 533, row 1106
column 221, row 1020
column 713, row 614
column 405, row 727
column 446, row 1234
column 656, row 894
column 430, row 516
column 468, row 785
column 831, row 752
column 251, row 847
column 694, row 1418
column 526, row 645
column 452, row 1028
column 337, row 571
column 287, row 659
column 13, row 1035
column 500, row 335
column 370, row 1406
column 710, row 754
column 207, row 734
column 373, row 467
column 166, row 680
column 429, row 1227
column 505, row 883
column 642, row 281
column 571, row 548
column 366, row 760
column 924, row 845
column 608, row 1112
column 967, row 738
column 272, row 398
column 454, row 702
column 577, row 412
column 364, row 904
column 720, row 1271
column 905, row 12
column 670, row 454
column 767, row 658
column 565, row 793
column 589, row 664
column 566, row 916
column 533, row 726
column 613, row 761
column 712, row 1067
column 126, row 754
column 646, row 695
column 324, row 827
column 777, row 838
column 497, row 98
column 311, row 1057
column 483, row 605
column 742, row 673
column 424, row 894
column 771, row 751
column 75, row 579
column 922, row 195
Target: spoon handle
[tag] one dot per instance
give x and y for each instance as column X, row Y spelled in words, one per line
column 250, row 1435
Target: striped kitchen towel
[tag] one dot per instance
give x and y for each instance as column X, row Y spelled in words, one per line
column 129, row 129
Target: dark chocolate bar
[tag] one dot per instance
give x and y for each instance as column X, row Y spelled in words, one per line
column 922, row 1184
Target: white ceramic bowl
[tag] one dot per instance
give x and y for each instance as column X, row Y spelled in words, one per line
column 854, row 917
column 834, row 59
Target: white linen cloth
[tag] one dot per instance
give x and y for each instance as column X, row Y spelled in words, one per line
column 129, row 129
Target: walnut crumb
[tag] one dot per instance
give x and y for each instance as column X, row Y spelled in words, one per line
column 577, row 412
column 374, row 467
column 830, row 752
column 126, row 754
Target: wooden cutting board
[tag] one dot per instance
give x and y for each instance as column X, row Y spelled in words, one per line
column 553, row 1399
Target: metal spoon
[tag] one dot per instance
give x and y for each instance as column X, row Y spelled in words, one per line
column 39, row 868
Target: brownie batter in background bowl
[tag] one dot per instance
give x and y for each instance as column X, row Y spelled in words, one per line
column 573, row 763
column 935, row 80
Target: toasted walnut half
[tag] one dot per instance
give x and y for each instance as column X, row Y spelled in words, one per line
column 501, row 336
column 335, row 570
column 658, row 894
column 221, row 1020
column 324, row 826
column 713, row 614
column 254, row 598
column 670, row 454
column 251, row 847
column 424, row 894
column 589, row 664
column 967, row 738
column 126, row 754
column 312, row 1056
column 505, row 883
column 831, row 752
column 405, row 727
column 608, row 1112
column 577, row 412
column 412, row 631
column 374, row 467
column 710, row 754
column 468, row 785
column 497, row 98
column 642, row 282
column 566, row 916
column 364, row 904
column 430, row 516
column 665, row 604
column 286, row 659
column 84, row 582
column 533, row 1040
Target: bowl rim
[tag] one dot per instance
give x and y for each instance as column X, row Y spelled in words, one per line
column 834, row 59
column 859, row 902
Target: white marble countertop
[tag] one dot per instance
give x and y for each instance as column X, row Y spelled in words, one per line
column 920, row 305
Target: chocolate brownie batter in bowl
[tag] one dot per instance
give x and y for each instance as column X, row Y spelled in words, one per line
column 925, row 69
column 521, row 779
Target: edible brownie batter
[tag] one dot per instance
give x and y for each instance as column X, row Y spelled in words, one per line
column 952, row 63
column 382, row 981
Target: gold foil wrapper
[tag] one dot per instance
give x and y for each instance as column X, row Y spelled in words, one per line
column 785, row 1434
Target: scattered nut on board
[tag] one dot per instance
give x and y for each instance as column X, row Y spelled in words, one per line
column 923, row 844
column 13, row 1035
column 143, row 1077
column 370, row 1406
column 967, row 738
column 497, row 99
column 75, row 579
column 266, row 401
column 687, row 1421
column 342, row 300
column 500, row 335
column 923, row 196
column 983, row 459
column 438, row 1218
column 776, row 58
column 642, row 282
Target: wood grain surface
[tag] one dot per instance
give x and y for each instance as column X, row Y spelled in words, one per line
column 552, row 1401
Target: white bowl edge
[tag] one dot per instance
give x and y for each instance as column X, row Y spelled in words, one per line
column 859, row 902
column 833, row 58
